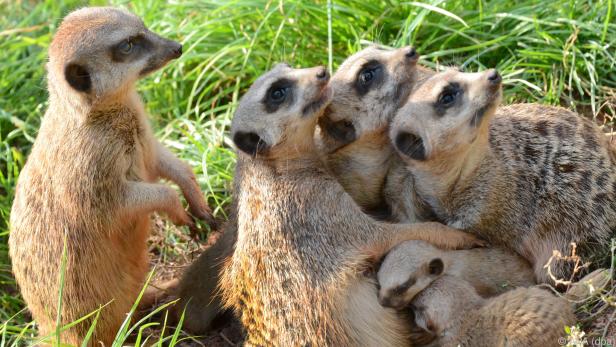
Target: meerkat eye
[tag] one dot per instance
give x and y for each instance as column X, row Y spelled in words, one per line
column 449, row 95
column 366, row 76
column 126, row 47
column 278, row 94
column 401, row 289
column 435, row 267
column 447, row 98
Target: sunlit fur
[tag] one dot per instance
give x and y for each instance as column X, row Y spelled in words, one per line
column 489, row 270
column 361, row 165
column 525, row 317
column 296, row 276
column 90, row 181
column 528, row 177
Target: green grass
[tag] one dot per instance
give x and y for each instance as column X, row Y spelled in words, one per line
column 555, row 52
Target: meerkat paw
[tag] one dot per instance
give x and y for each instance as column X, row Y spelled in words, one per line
column 203, row 212
column 446, row 237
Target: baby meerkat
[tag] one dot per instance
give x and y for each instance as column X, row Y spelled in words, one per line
column 296, row 276
column 527, row 177
column 412, row 265
column 352, row 138
column 90, row 181
column 456, row 316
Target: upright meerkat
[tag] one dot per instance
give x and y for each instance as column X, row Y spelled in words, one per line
column 90, row 181
column 412, row 265
column 352, row 138
column 296, row 274
column 456, row 316
column 530, row 178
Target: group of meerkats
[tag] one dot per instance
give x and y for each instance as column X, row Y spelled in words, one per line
column 388, row 205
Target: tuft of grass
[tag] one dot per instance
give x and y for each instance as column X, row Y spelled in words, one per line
column 560, row 52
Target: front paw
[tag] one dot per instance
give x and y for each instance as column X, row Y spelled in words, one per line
column 450, row 238
column 204, row 213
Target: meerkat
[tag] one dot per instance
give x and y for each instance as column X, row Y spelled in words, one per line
column 296, row 276
column 352, row 138
column 526, row 177
column 452, row 312
column 89, row 184
column 412, row 265
column 353, row 143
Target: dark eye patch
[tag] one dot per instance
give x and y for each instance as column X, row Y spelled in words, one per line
column 130, row 49
column 280, row 92
column 399, row 290
column 370, row 76
column 449, row 96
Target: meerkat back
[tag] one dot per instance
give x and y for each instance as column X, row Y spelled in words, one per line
column 523, row 317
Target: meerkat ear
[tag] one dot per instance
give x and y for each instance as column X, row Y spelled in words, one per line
column 342, row 131
column 436, row 266
column 78, row 77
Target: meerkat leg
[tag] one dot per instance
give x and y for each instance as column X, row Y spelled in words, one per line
column 174, row 169
column 142, row 198
column 437, row 234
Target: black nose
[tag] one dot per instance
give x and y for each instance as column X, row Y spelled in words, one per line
column 494, row 77
column 410, row 145
column 176, row 50
column 411, row 53
column 323, row 75
column 249, row 142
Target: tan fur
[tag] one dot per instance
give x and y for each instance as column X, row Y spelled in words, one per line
column 527, row 177
column 412, row 265
column 296, row 275
column 456, row 315
column 352, row 134
column 91, row 178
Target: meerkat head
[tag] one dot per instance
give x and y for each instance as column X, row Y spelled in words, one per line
column 406, row 270
column 101, row 51
column 278, row 113
column 369, row 87
column 448, row 112
column 443, row 302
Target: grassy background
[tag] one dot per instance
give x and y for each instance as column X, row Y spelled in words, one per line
column 556, row 52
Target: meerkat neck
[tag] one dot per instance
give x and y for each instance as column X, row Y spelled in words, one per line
column 441, row 177
column 298, row 158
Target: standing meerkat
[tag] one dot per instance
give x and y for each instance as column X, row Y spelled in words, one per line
column 531, row 178
column 352, row 138
column 456, row 316
column 91, row 177
column 412, row 265
column 296, row 274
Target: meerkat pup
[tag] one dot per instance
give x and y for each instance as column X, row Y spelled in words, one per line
column 412, row 265
column 452, row 312
column 90, row 182
column 296, row 274
column 352, row 138
column 529, row 178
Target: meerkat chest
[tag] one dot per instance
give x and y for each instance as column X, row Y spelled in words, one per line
column 130, row 138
